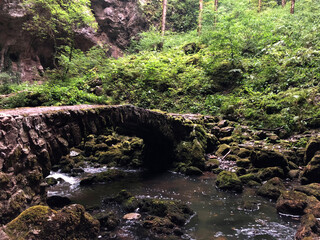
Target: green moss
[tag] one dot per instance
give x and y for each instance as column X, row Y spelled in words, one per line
column 270, row 172
column 272, row 188
column 19, row 228
column 229, row 181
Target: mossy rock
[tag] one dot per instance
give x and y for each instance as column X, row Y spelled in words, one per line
column 249, row 177
column 312, row 147
column 223, row 149
column 270, row 172
column 292, row 202
column 312, row 189
column 311, row 172
column 272, row 189
column 109, row 176
column 41, row 222
column 193, row 171
column 190, row 153
column 245, row 163
column 212, row 163
column 108, row 220
column 244, row 153
column 268, row 158
column 51, row 181
column 229, row 181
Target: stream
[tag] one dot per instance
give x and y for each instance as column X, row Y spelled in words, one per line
column 219, row 215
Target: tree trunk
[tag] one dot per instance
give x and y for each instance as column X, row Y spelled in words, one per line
column 284, row 3
column 259, row 6
column 216, row 2
column 292, row 6
column 200, row 16
column 164, row 16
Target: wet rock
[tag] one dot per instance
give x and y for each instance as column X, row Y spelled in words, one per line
column 229, row 181
column 272, row 189
column 103, row 177
column 312, row 189
column 312, row 171
column 193, row 171
column 108, row 221
column 132, row 216
column 41, row 222
column 223, row 149
column 211, row 164
column 294, row 173
column 245, row 163
column 268, row 158
column 270, row 172
column 51, row 181
column 292, row 202
column 248, row 178
column 226, row 131
column 312, row 147
column 56, row 202
column 309, row 228
column 244, row 153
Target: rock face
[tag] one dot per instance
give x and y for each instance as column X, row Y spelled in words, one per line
column 26, row 56
column 33, row 140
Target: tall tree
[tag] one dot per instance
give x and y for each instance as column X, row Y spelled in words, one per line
column 284, row 3
column 200, row 16
column 216, row 3
column 292, row 6
column 164, row 16
column 259, row 6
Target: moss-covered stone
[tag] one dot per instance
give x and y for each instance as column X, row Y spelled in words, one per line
column 272, row 189
column 270, row 172
column 245, row 163
column 51, row 181
column 268, row 158
column 312, row 147
column 244, row 153
column 245, row 179
column 229, row 181
column 312, row 189
column 41, row 222
column 223, row 149
column 212, row 163
column 190, row 153
column 103, row 177
column 108, row 220
column 193, row 171
column 311, row 172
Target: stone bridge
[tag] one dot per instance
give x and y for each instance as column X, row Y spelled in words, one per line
column 34, row 139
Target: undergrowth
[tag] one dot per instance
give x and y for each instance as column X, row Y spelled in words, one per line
column 258, row 68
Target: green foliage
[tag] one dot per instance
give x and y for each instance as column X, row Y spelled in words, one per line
column 259, row 68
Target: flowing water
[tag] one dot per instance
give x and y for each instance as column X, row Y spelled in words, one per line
column 218, row 214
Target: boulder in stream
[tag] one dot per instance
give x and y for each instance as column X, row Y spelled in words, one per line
column 229, row 181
